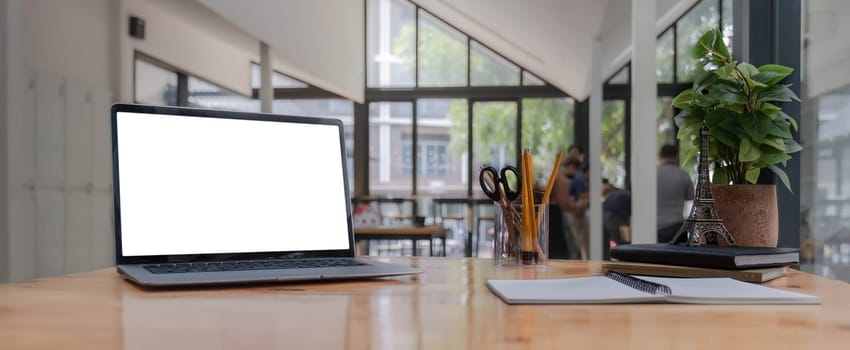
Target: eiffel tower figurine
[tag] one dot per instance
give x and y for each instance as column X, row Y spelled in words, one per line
column 703, row 226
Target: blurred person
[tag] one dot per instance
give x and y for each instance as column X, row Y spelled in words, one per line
column 564, row 241
column 675, row 187
column 616, row 219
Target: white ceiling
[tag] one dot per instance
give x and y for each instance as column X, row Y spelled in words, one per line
column 322, row 41
column 318, row 41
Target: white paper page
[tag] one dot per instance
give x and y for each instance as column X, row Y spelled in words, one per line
column 583, row 290
column 727, row 291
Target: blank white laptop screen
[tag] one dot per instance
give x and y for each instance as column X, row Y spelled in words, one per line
column 194, row 185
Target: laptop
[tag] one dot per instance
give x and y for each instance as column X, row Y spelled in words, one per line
column 208, row 197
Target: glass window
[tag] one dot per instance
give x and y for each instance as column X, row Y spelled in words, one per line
column 666, row 125
column 621, row 77
column 442, row 53
column 490, row 69
column 664, row 58
column 155, row 85
column 278, row 80
column 203, row 94
column 728, row 21
column 390, row 148
column 442, row 134
column 390, row 43
column 689, row 28
column 547, row 127
column 613, row 155
column 494, row 137
column 529, row 79
column 825, row 183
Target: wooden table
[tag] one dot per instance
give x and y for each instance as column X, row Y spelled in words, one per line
column 447, row 307
column 404, row 232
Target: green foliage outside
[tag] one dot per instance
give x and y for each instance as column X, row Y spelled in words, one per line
column 547, row 123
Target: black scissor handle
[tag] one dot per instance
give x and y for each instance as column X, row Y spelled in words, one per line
column 511, row 180
column 488, row 178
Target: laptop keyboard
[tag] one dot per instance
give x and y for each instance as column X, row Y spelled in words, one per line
column 251, row 265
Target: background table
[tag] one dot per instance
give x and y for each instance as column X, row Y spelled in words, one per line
column 447, row 307
column 404, row 232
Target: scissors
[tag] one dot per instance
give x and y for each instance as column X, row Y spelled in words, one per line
column 502, row 187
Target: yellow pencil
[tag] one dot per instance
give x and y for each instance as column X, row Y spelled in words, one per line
column 550, row 185
column 524, row 236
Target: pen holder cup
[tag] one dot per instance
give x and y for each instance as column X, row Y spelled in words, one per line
column 517, row 243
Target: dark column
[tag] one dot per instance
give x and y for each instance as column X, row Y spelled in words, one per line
column 774, row 37
column 581, row 124
column 361, row 150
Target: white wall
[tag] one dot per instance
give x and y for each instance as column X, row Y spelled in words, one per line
column 67, row 62
column 57, row 139
column 190, row 37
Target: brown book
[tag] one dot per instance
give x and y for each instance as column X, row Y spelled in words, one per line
column 750, row 275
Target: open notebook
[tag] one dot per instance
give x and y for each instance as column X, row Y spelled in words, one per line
column 618, row 288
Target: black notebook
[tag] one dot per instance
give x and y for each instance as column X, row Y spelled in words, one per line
column 713, row 257
column 618, row 288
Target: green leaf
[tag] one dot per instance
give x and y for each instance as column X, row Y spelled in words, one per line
column 710, row 47
column 770, row 74
column 789, row 119
column 792, row 146
column 780, row 128
column 725, row 137
column 747, row 152
column 690, row 155
column 771, row 156
column 726, row 71
column 782, row 176
column 719, row 176
column 684, row 99
column 732, row 125
column 770, row 109
column 756, row 125
column 748, row 70
column 775, row 142
column 702, row 81
column 777, row 93
column 727, row 92
column 752, row 175
column 689, row 129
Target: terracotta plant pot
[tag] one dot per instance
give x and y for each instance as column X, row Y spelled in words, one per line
column 749, row 212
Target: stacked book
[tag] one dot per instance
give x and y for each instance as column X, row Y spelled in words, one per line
column 750, row 264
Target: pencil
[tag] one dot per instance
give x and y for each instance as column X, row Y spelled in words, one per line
column 524, row 192
column 550, row 185
column 530, row 186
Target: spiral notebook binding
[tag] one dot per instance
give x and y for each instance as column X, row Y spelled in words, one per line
column 639, row 284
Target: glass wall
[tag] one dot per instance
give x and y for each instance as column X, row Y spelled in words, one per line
column 675, row 71
column 203, row 94
column 613, row 154
column 408, row 46
column 442, row 147
column 391, row 50
column 825, row 136
column 390, row 148
column 547, row 125
column 155, row 85
column 705, row 15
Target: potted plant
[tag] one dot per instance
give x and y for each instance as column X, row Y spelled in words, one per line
column 748, row 134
